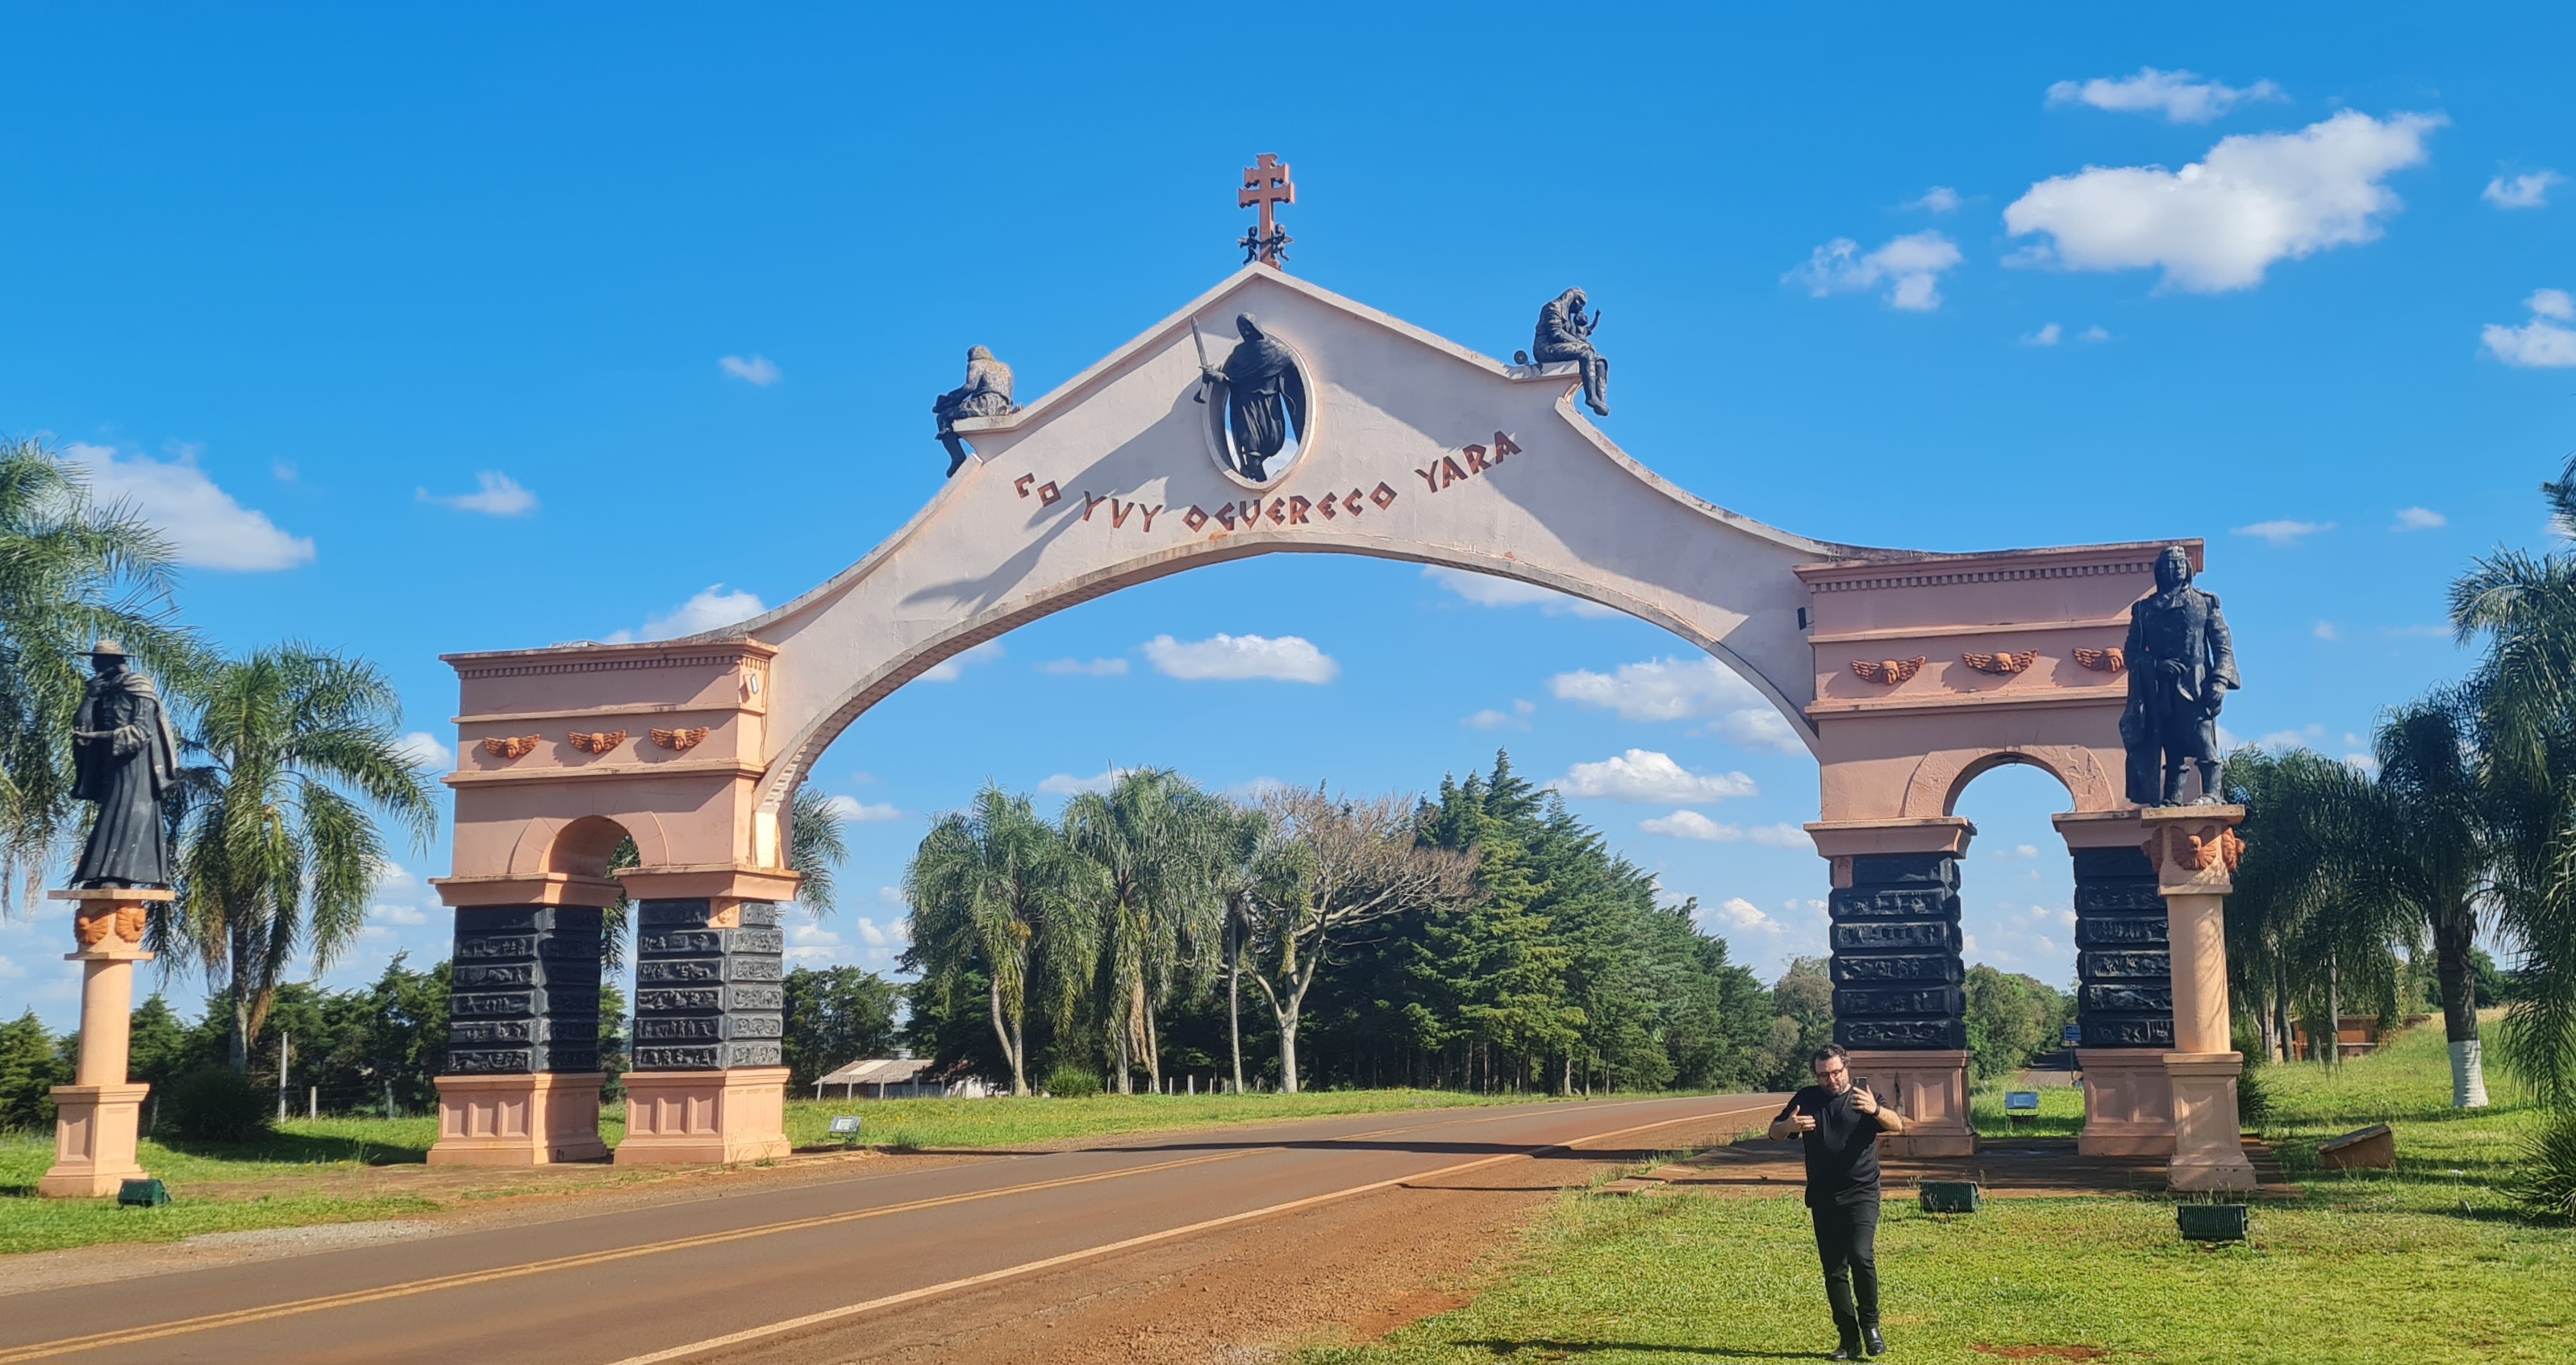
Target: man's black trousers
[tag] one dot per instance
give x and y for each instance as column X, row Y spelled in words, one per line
column 1847, row 1242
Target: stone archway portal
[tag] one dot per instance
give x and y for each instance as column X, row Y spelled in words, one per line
column 1905, row 672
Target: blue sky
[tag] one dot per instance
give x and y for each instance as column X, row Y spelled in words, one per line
column 484, row 329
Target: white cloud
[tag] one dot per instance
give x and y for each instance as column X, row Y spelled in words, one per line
column 892, row 897
column 2540, row 343
column 1096, row 668
column 859, row 812
column 1735, row 912
column 1910, row 266
column 2419, row 519
column 1678, row 689
column 498, row 495
column 2523, row 191
column 1938, row 199
column 1490, row 719
column 2049, row 335
column 1066, row 784
column 2323, row 630
column 206, row 528
column 2291, row 739
column 1485, row 590
column 2178, row 95
column 891, row 934
column 1234, row 658
column 2219, row 223
column 2284, row 534
column 2093, row 333
column 1645, row 775
column 422, row 749
column 2365, row 764
column 408, row 916
column 1690, row 824
column 759, row 371
column 707, row 611
column 953, row 667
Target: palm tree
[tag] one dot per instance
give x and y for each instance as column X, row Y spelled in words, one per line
column 277, row 848
column 995, row 887
column 1150, row 837
column 817, row 842
column 2433, row 859
column 1246, row 864
column 71, row 571
column 2307, row 923
column 2524, row 695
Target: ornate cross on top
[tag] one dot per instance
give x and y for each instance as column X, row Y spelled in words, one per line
column 1266, row 184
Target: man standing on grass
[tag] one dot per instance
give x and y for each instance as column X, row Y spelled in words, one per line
column 1839, row 1122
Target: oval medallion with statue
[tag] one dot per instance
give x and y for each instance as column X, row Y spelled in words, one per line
column 1260, row 414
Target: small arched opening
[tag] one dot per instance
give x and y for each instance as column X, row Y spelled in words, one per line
column 2020, row 982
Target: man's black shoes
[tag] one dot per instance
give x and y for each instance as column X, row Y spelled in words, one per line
column 1847, row 1349
column 1872, row 1341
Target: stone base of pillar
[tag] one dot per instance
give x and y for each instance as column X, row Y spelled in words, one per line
column 534, row 1119
column 704, row 1117
column 95, row 1127
column 2209, row 1152
column 1930, row 1089
column 2128, row 1102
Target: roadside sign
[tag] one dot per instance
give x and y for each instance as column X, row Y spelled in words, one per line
column 2021, row 1101
column 2071, row 1036
column 845, row 1125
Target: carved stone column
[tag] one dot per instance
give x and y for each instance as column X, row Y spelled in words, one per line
column 709, row 1083
column 522, row 1081
column 2195, row 850
column 1899, row 1004
column 97, row 1118
column 2124, row 995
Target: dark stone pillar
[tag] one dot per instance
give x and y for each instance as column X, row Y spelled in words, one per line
column 707, row 993
column 1896, row 954
column 2123, row 966
column 526, row 991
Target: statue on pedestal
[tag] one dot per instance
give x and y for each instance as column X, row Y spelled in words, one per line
column 1565, row 334
column 123, row 759
column 2181, row 665
column 986, row 393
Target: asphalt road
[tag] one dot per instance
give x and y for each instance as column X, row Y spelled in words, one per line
column 716, row 1278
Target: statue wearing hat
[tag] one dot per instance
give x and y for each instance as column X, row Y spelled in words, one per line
column 123, row 759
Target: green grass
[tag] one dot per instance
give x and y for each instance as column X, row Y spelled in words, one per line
column 943, row 1124
column 1695, row 1279
column 2427, row 1263
column 2061, row 1111
column 302, row 1147
column 243, row 1186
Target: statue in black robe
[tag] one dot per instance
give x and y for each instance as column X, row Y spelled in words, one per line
column 986, row 393
column 1265, row 398
column 123, row 758
column 1565, row 334
column 2181, row 664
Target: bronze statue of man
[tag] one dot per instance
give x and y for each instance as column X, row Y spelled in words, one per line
column 123, row 758
column 986, row 393
column 1565, row 334
column 1265, row 398
column 2181, row 665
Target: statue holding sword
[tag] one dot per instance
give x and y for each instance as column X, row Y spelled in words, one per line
column 1263, row 394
